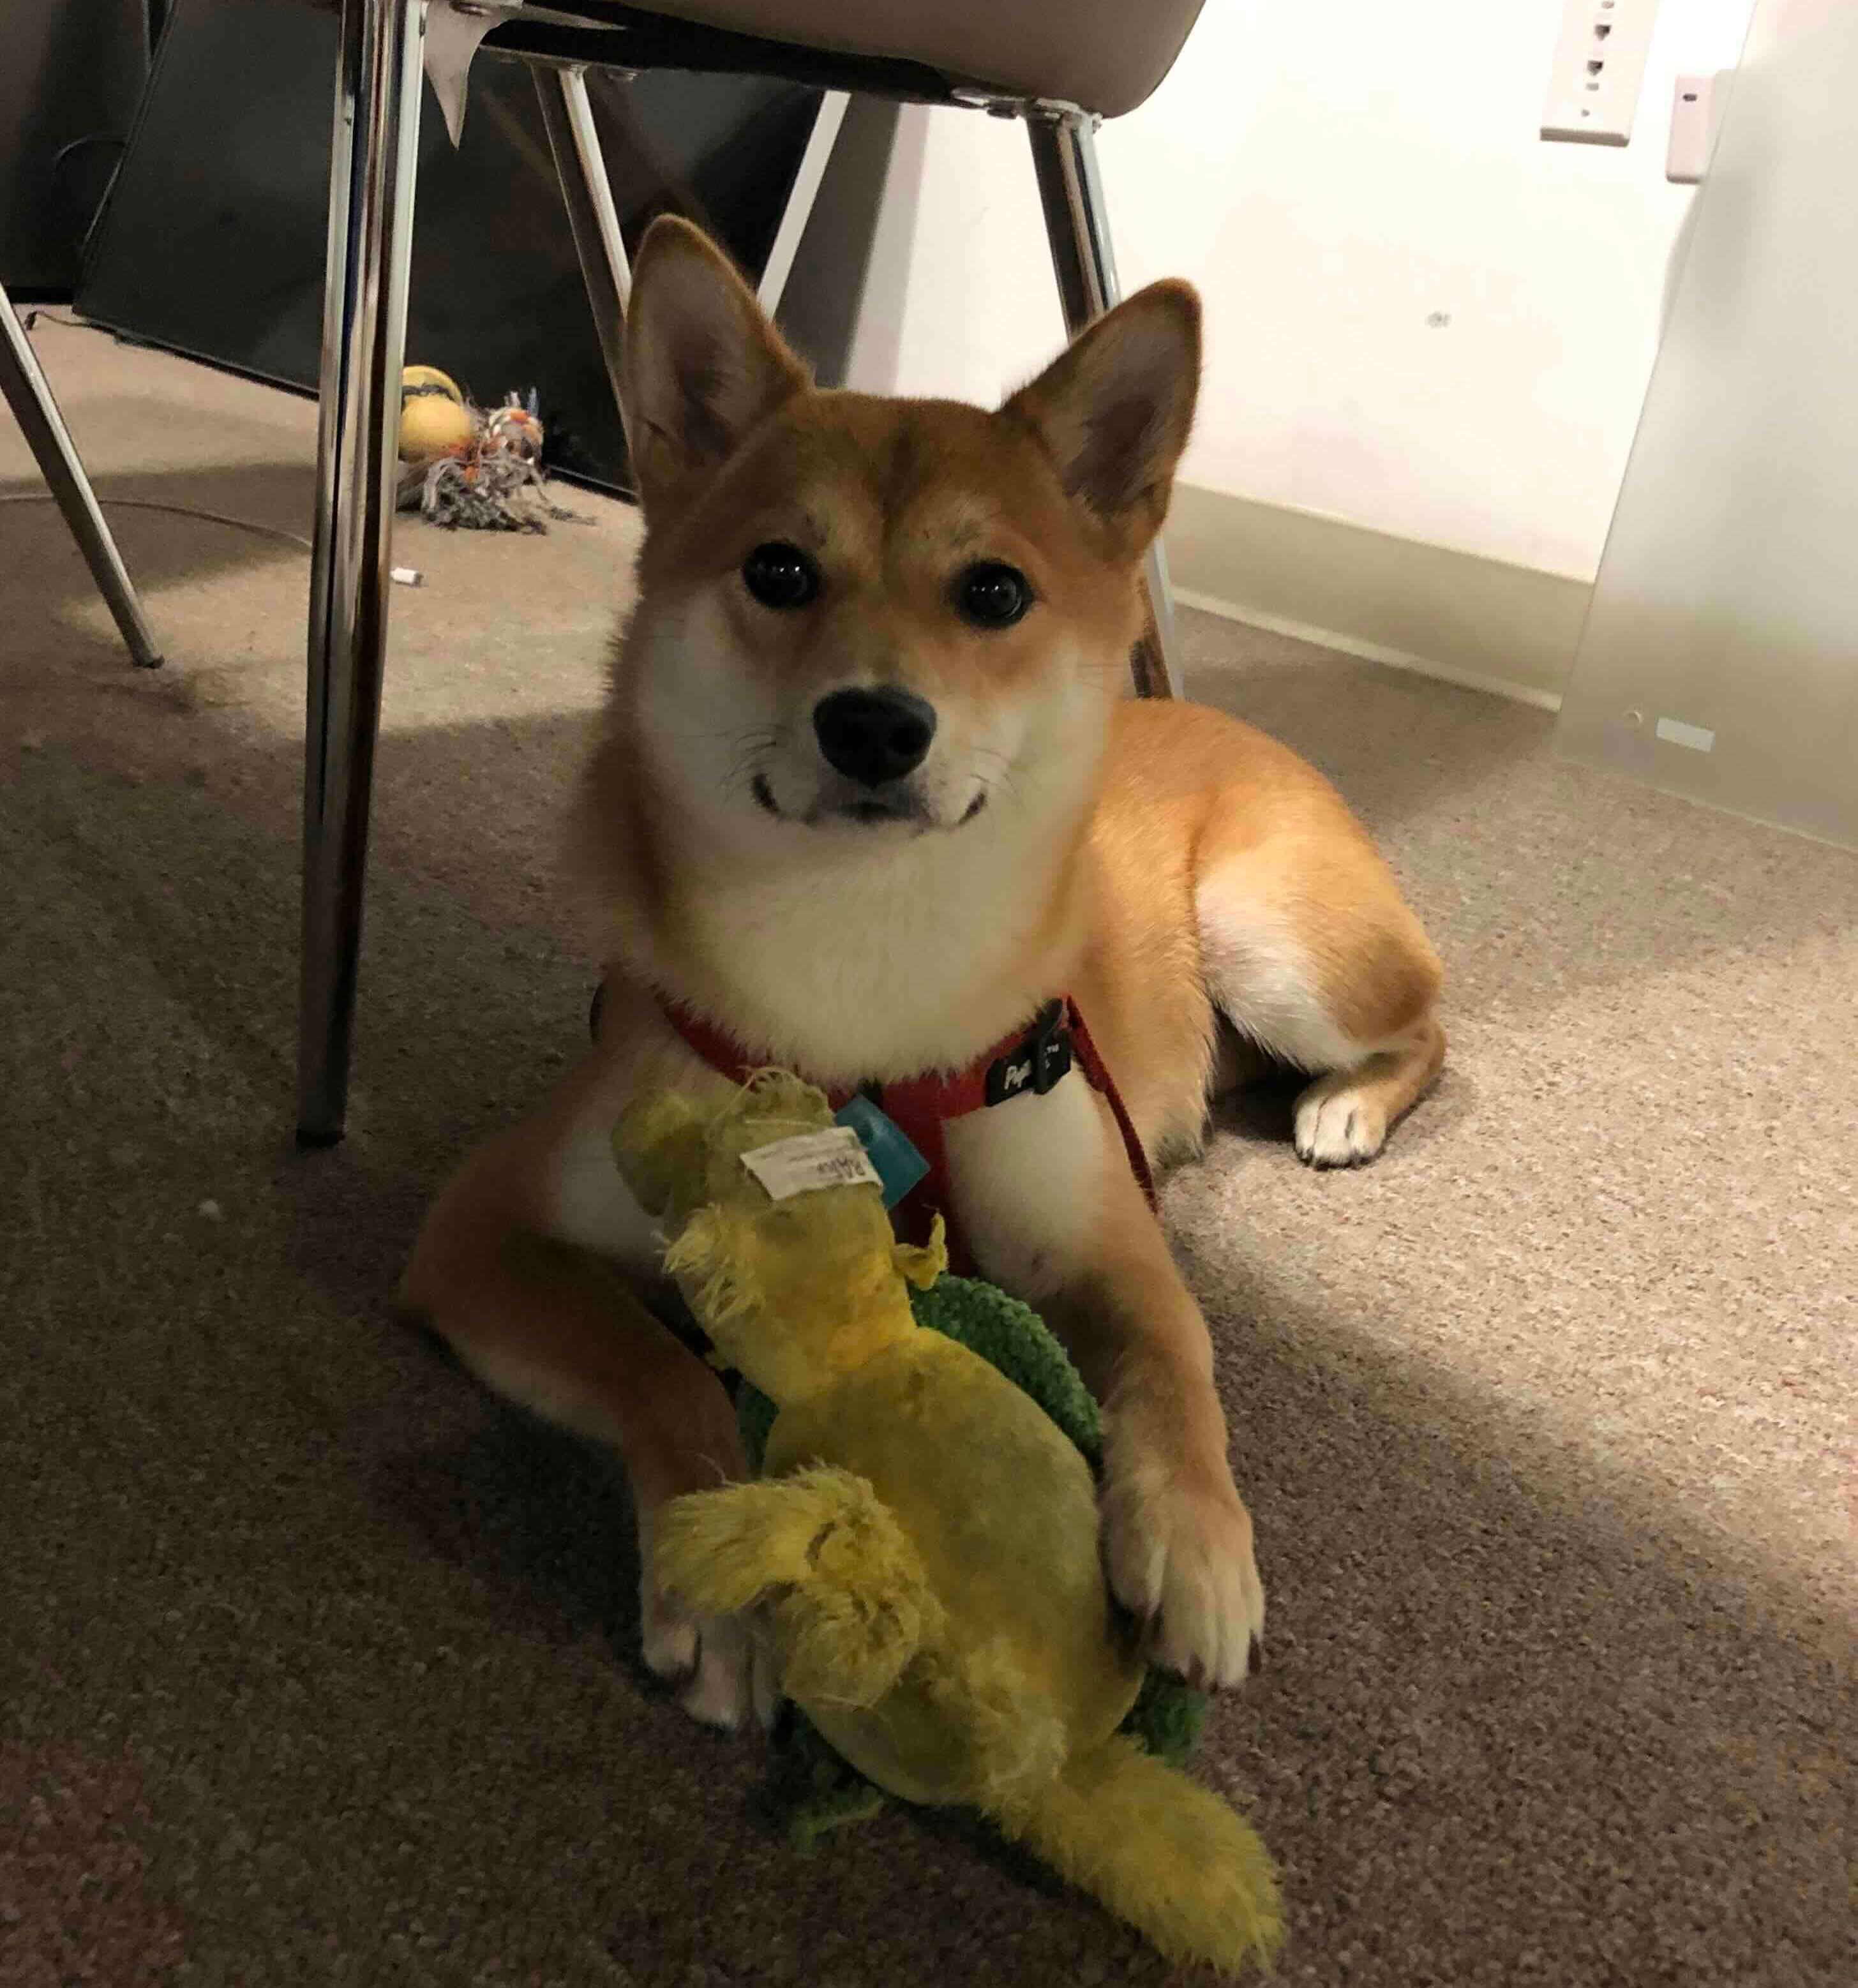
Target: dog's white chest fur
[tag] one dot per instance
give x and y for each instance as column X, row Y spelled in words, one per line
column 873, row 971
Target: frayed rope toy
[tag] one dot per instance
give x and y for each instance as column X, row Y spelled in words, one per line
column 470, row 467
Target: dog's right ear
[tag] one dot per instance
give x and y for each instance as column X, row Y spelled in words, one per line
column 703, row 364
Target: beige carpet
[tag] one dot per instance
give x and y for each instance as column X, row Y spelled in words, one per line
column 317, row 1666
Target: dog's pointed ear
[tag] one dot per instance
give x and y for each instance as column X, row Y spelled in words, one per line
column 702, row 363
column 1114, row 411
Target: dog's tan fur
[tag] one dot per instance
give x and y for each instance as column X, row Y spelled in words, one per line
column 1192, row 884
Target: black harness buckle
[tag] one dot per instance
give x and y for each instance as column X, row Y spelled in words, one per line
column 1036, row 1062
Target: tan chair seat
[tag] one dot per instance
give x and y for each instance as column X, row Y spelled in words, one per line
column 1106, row 55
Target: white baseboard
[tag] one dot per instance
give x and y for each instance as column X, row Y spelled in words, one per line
column 1372, row 652
column 1508, row 630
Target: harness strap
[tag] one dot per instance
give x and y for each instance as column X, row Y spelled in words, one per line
column 1026, row 1062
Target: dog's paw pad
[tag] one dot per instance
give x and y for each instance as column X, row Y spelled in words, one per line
column 1339, row 1123
column 721, row 1691
column 712, row 1660
column 669, row 1645
column 1180, row 1560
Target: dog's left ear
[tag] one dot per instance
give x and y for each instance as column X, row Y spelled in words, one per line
column 1114, row 412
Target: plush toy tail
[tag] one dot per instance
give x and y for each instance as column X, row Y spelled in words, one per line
column 845, row 1601
column 1160, row 1851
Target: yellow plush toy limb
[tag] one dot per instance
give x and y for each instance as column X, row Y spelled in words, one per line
column 847, row 1598
column 1158, row 1850
column 662, row 1138
column 920, row 1558
column 846, row 1603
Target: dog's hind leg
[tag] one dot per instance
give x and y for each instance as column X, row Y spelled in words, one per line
column 1311, row 954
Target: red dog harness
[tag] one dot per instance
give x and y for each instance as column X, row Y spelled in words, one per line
column 1025, row 1064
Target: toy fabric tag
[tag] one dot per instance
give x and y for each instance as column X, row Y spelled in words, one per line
column 810, row 1160
column 899, row 1165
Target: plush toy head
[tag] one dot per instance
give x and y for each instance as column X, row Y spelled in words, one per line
column 794, row 1293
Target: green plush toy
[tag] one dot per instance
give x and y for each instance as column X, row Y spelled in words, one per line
column 919, row 1558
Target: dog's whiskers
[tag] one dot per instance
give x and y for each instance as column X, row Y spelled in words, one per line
column 1001, row 779
column 754, row 749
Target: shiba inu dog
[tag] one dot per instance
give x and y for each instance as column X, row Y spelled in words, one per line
column 871, row 803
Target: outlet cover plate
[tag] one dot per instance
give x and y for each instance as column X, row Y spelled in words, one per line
column 1697, row 109
column 1599, row 63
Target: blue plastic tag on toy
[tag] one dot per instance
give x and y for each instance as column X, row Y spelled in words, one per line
column 899, row 1165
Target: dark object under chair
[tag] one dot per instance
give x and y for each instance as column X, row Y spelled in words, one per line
column 214, row 240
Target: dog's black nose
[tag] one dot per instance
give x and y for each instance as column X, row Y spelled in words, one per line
column 874, row 736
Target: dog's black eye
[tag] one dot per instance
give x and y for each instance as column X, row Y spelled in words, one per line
column 780, row 575
column 991, row 594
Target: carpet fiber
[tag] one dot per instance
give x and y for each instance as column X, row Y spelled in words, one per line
column 317, row 1665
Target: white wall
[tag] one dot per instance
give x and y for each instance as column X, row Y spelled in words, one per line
column 1333, row 174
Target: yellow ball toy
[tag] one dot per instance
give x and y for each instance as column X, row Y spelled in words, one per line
column 434, row 420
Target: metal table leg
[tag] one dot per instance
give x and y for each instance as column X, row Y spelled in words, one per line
column 1077, row 225
column 22, row 380
column 371, row 236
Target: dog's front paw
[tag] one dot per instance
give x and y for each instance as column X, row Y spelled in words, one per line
column 721, row 1673
column 1177, row 1547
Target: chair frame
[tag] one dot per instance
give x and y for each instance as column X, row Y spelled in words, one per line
column 29, row 393
column 378, row 82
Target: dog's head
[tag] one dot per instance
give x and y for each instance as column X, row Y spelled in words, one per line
column 866, row 619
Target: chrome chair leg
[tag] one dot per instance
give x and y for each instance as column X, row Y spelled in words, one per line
column 588, row 195
column 370, row 237
column 805, row 189
column 1077, row 225
column 580, row 167
column 29, row 393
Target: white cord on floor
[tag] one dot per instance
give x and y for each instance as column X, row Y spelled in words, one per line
column 175, row 510
column 403, row 576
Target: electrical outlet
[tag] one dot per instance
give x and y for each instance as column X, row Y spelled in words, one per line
column 1599, row 62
